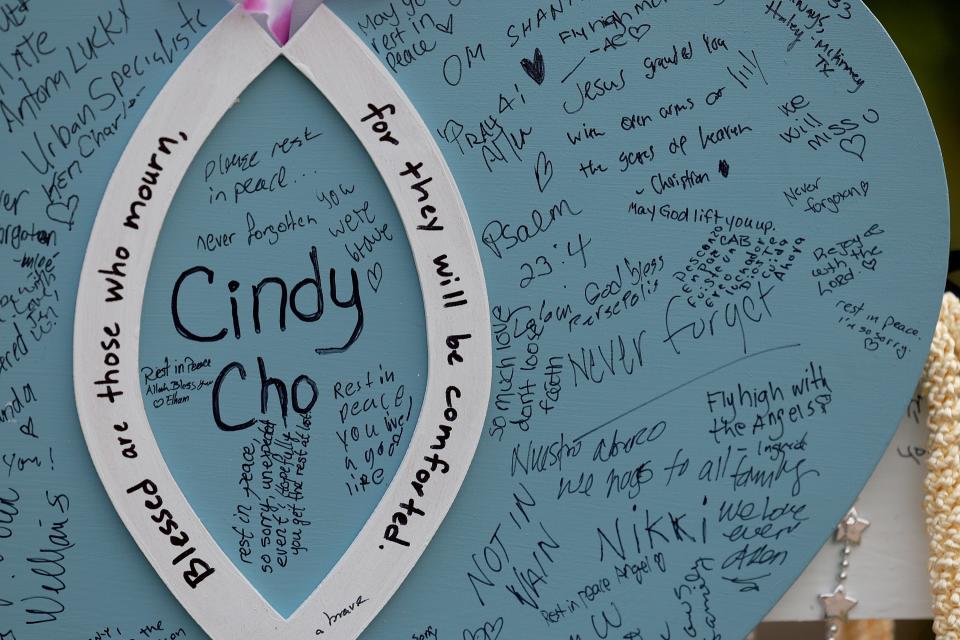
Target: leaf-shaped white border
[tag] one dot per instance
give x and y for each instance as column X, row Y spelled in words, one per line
column 209, row 81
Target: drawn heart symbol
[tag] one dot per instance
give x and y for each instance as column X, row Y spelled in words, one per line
column 543, row 171
column 855, row 145
column 375, row 276
column 870, row 264
column 535, row 69
column 124, row 449
column 724, row 168
column 489, row 631
column 64, row 212
column 447, row 27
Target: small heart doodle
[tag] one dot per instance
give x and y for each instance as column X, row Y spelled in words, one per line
column 445, row 27
column 375, row 276
column 64, row 212
column 543, row 171
column 855, row 145
column 536, row 68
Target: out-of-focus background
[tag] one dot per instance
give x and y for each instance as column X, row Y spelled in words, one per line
column 927, row 33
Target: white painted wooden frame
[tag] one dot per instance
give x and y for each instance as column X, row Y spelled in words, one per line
column 106, row 334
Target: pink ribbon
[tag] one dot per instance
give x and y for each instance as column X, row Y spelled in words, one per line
column 278, row 12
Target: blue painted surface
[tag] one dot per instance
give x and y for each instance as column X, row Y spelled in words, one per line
column 628, row 407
